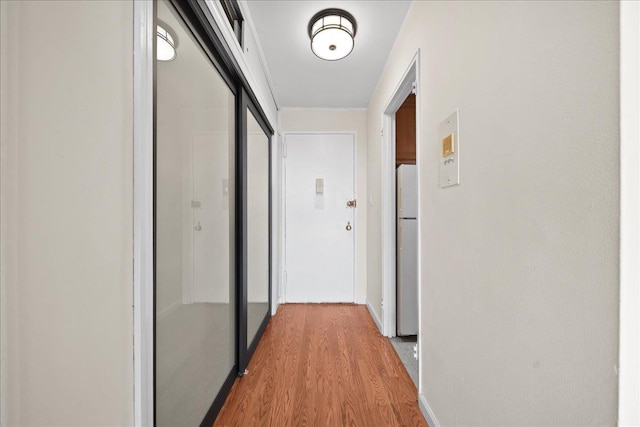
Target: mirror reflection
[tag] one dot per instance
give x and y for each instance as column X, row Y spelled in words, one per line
column 257, row 227
column 195, row 301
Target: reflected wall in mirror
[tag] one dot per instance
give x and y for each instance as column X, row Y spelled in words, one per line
column 257, row 226
column 195, row 208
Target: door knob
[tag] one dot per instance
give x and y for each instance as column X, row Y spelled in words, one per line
column 198, row 227
column 348, row 227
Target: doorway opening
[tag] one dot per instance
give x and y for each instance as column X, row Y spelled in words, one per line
column 400, row 219
column 406, row 339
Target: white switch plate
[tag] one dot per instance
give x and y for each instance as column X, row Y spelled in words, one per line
column 449, row 165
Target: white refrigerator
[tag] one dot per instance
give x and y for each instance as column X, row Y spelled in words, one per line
column 407, row 250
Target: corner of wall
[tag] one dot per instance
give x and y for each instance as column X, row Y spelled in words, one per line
column 374, row 316
column 427, row 411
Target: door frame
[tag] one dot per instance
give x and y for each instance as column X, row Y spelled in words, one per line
column 410, row 82
column 283, row 217
column 144, row 36
column 245, row 348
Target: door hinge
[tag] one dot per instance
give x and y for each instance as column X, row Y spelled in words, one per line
column 381, row 132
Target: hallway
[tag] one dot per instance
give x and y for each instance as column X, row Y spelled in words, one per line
column 151, row 248
column 323, row 364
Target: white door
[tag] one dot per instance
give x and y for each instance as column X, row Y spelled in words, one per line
column 319, row 226
column 208, row 224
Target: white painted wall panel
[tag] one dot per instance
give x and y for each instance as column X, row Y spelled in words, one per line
column 520, row 261
column 259, row 80
column 629, row 388
column 67, row 203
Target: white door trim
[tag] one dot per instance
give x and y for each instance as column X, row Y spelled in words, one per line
column 276, row 220
column 143, row 64
column 629, row 380
column 283, row 174
column 403, row 89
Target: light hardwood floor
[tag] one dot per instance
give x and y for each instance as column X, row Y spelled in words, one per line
column 323, row 365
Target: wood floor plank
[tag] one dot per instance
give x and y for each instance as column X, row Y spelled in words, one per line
column 323, row 365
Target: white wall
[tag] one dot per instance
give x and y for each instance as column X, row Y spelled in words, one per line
column 66, row 196
column 257, row 72
column 332, row 120
column 629, row 388
column 520, row 262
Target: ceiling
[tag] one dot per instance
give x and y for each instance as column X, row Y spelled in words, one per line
column 300, row 79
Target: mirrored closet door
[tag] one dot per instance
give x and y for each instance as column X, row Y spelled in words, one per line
column 195, row 288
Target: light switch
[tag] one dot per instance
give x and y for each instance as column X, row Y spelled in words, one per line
column 448, row 145
column 319, row 186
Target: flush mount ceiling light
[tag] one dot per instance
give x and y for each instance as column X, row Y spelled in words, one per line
column 331, row 32
column 165, row 44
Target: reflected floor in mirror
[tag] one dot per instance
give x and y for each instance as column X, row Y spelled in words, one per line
column 193, row 359
column 255, row 315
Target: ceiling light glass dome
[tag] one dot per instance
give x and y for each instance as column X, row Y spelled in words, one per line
column 165, row 44
column 332, row 32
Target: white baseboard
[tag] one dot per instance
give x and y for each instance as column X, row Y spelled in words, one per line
column 427, row 411
column 361, row 300
column 375, row 316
